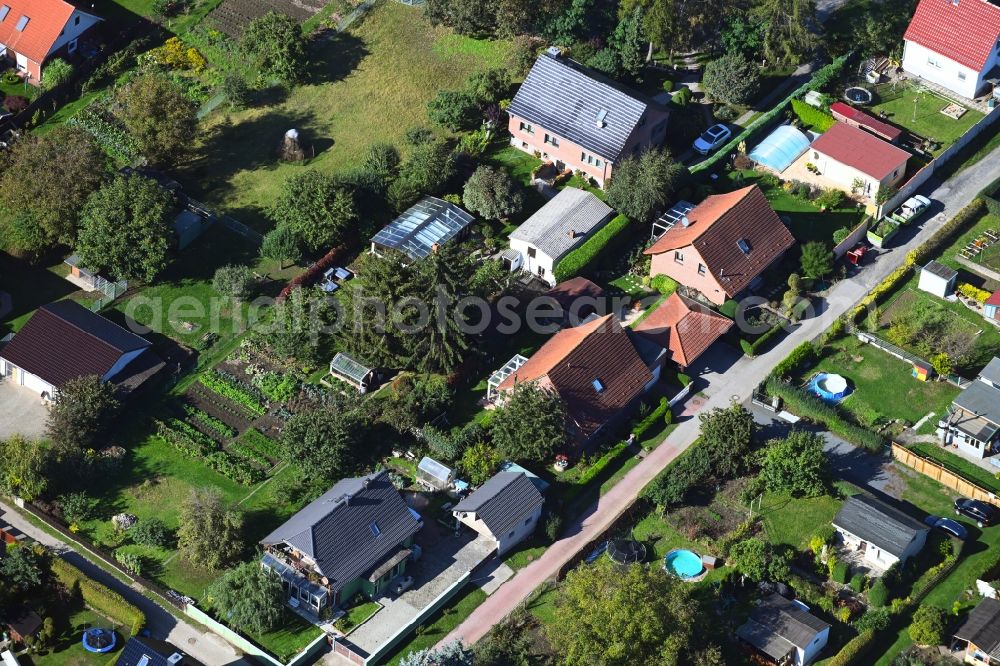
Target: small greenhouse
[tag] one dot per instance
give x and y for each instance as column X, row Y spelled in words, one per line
column 433, row 474
column 428, row 223
column 780, row 148
column 354, row 372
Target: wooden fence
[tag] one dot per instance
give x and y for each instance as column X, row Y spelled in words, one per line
column 945, row 477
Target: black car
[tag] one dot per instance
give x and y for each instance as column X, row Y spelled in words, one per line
column 984, row 514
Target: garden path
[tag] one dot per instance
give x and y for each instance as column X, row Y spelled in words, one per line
column 736, row 383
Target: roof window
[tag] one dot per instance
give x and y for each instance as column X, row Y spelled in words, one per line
column 744, row 246
column 4, row 11
column 598, row 386
column 21, row 23
column 376, row 531
column 601, row 116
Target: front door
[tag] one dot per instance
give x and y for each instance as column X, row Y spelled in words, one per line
column 22, row 62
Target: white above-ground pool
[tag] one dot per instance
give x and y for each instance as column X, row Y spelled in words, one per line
column 830, row 387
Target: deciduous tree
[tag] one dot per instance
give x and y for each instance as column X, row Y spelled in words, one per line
column 56, row 72
column 641, row 186
column 426, row 171
column 491, row 194
column 282, row 245
column 23, row 465
column 234, row 280
column 249, row 598
column 454, row 109
column 795, row 465
column 46, row 180
column 22, row 569
column 324, row 443
column 727, row 434
column 480, row 461
column 83, row 409
column 530, row 426
column 158, row 115
column 787, row 28
column 125, row 228
column 318, row 208
column 732, row 78
column 275, row 47
column 209, row 533
column 619, row 616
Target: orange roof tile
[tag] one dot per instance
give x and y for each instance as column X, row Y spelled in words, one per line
column 572, row 359
column 964, row 30
column 46, row 19
column 685, row 327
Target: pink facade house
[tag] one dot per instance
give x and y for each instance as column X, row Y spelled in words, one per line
column 722, row 245
column 580, row 120
column 33, row 31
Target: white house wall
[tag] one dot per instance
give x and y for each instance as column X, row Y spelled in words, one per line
column 73, row 29
column 507, row 541
column 936, row 68
column 532, row 264
column 845, row 175
column 808, row 655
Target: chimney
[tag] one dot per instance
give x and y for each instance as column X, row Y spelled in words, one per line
column 175, row 658
column 435, row 247
column 554, row 51
column 685, row 221
column 571, row 233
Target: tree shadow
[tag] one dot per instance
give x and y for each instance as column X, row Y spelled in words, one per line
column 334, row 57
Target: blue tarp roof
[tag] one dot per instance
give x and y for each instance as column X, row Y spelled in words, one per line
column 780, row 148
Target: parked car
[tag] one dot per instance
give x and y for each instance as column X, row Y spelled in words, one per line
column 948, row 526
column 911, row 209
column 712, row 138
column 984, row 514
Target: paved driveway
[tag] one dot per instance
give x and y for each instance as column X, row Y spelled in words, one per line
column 21, row 411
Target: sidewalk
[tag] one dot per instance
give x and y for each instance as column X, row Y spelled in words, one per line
column 740, row 381
column 206, row 647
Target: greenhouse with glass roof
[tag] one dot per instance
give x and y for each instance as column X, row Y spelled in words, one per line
column 429, row 222
column 354, row 372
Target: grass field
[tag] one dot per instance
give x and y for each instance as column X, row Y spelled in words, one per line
column 792, row 521
column 920, row 112
column 68, row 650
column 882, row 383
column 369, row 84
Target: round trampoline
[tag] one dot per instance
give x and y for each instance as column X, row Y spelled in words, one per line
column 685, row 564
column 626, row 551
column 829, row 387
column 859, row 95
column 99, row 640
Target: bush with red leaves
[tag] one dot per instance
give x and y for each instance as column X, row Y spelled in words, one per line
column 313, row 273
column 15, row 104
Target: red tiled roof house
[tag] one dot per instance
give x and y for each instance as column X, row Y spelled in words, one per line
column 955, row 44
column 597, row 371
column 685, row 327
column 579, row 120
column 33, row 31
column 722, row 244
column 848, row 157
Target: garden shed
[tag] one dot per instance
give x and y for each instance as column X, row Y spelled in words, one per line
column 188, row 226
column 937, row 279
column 349, row 369
column 991, row 308
column 433, row 474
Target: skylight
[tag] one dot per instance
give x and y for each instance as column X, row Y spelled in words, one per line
column 4, row 11
column 375, row 529
column 598, row 386
column 744, row 246
column 21, row 23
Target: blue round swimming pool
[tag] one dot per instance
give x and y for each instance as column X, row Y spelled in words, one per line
column 683, row 563
column 829, row 387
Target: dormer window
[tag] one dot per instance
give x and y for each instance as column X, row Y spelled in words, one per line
column 21, row 23
column 598, row 386
column 376, row 531
column 4, row 11
column 744, row 246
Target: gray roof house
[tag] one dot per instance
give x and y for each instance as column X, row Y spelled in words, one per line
column 879, row 533
column 784, row 631
column 981, row 633
column 580, row 119
column 973, row 424
column 356, row 537
column 505, row 509
column 559, row 226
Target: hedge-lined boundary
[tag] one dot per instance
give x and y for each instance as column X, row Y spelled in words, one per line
column 854, row 649
column 100, row 597
column 573, row 263
column 805, row 404
column 819, row 79
column 817, row 119
column 654, row 417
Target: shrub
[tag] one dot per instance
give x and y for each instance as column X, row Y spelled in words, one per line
column 854, row 649
column 651, row 419
column 101, row 598
column 830, row 198
column 683, row 379
column 746, row 347
column 726, row 113
column 874, row 619
column 840, row 235
column 812, row 117
column 11, row 78
column 131, row 562
column 682, row 96
column 927, row 626
column 664, row 284
column 973, row 292
column 802, row 354
column 15, row 103
column 667, row 85
column 878, row 595
column 152, row 532
column 840, row 572
column 576, row 261
column 236, row 90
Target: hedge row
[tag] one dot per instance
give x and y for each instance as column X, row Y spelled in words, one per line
column 854, row 649
column 100, row 597
column 750, row 348
column 819, row 79
column 653, row 418
column 313, row 273
column 802, row 354
column 817, row 119
column 809, row 406
column 573, row 263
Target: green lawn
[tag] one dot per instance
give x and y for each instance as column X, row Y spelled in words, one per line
column 26, row 91
column 792, row 521
column 30, row 287
column 802, row 217
column 442, row 622
column 358, row 614
column 882, row 383
column 369, row 84
column 987, row 221
column 920, row 112
column 68, row 650
column 959, row 465
column 290, row 639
